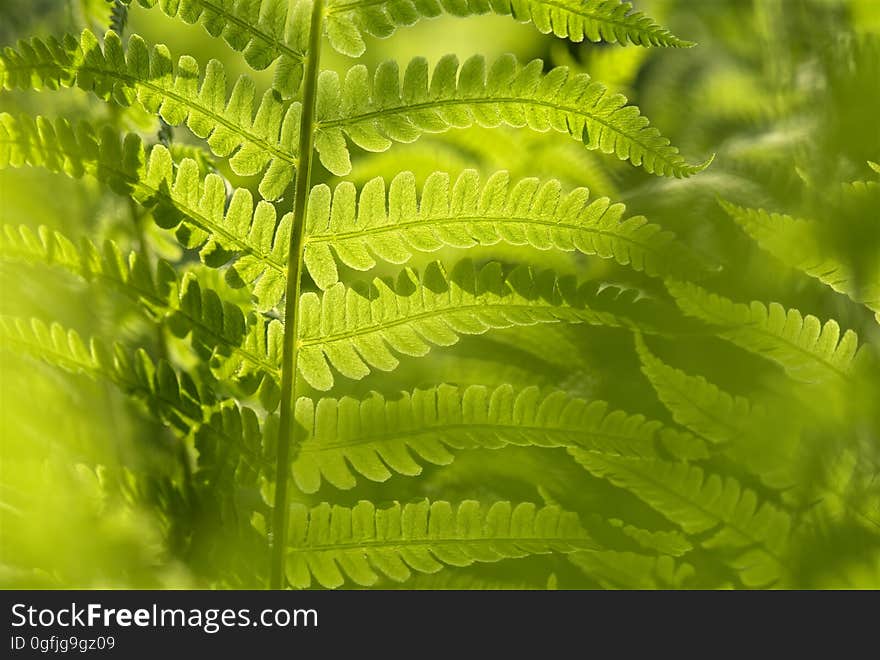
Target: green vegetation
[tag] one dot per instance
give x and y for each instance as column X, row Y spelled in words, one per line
column 325, row 294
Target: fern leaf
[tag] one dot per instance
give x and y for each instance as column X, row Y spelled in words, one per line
column 374, row 113
column 175, row 398
column 793, row 242
column 612, row 21
column 694, row 402
column 222, row 333
column 630, row 570
column 227, row 435
column 263, row 31
column 129, row 275
column 756, row 533
column 667, row 543
column 376, row 437
column 232, row 453
column 260, row 143
column 749, row 434
column 361, row 228
column 356, row 328
column 221, row 228
column 807, row 350
column 332, row 544
column 239, row 348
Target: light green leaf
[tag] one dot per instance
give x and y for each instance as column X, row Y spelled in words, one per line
column 758, row 533
column 612, row 21
column 223, row 226
column 256, row 143
column 806, row 349
column 359, row 328
column 377, row 436
column 333, row 544
column 392, row 225
column 372, row 112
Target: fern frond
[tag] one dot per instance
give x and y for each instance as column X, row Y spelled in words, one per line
column 263, row 31
column 228, row 436
column 756, row 533
column 221, row 229
column 255, row 364
column 807, row 350
column 373, row 113
column 332, row 544
column 129, row 274
column 356, row 328
column 222, row 333
column 666, row 543
column 261, row 143
column 749, row 434
column 794, row 243
column 630, row 570
column 611, row 21
column 357, row 229
column 694, row 402
column 232, row 446
column 175, row 398
column 376, row 437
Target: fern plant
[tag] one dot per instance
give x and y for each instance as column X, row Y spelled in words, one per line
column 367, row 378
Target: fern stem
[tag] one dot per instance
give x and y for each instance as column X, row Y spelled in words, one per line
column 294, row 276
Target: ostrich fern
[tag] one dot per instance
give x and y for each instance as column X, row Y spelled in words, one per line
column 289, row 378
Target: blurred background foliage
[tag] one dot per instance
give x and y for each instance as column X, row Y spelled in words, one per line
column 786, row 93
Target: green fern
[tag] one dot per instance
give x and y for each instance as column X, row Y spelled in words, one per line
column 179, row 196
column 666, row 543
column 795, row 242
column 735, row 424
column 357, row 328
column 295, row 426
column 242, row 349
column 629, row 570
column 175, row 398
column 332, row 543
column 756, row 533
column 594, row 20
column 375, row 437
column 263, row 32
column 261, row 143
column 694, row 402
column 808, row 350
column 361, row 228
column 373, row 112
